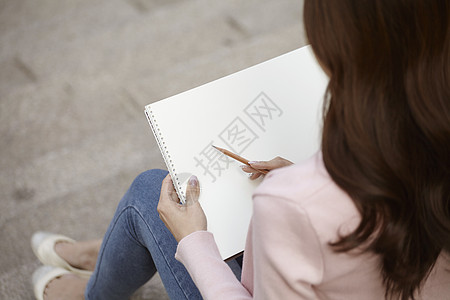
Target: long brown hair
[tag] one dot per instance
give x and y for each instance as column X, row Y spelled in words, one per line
column 386, row 134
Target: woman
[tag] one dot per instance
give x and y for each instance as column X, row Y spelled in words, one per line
column 368, row 217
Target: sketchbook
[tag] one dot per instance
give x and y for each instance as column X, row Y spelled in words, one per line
column 268, row 110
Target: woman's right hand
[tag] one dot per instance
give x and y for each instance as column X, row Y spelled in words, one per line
column 277, row 162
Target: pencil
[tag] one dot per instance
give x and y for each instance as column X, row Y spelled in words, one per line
column 238, row 158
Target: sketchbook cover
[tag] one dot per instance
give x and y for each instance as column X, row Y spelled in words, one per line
column 268, row 110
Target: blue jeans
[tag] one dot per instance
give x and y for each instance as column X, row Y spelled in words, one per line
column 137, row 244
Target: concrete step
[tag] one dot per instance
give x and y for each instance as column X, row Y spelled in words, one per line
column 111, row 37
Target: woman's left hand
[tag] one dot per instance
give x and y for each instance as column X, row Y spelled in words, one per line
column 181, row 219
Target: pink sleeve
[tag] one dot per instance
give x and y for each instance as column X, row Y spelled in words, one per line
column 287, row 252
column 199, row 254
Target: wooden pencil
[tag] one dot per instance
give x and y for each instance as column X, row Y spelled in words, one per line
column 239, row 158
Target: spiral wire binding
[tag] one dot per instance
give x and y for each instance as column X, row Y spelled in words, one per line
column 165, row 153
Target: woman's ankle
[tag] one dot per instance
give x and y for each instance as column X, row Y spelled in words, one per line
column 80, row 255
column 88, row 254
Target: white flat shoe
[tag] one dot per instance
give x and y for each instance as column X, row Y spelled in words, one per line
column 43, row 245
column 42, row 277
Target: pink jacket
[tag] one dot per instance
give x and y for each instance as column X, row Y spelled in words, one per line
column 298, row 210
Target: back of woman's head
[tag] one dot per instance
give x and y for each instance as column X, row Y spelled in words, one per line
column 386, row 135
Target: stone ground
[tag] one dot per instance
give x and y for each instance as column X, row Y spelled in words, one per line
column 74, row 78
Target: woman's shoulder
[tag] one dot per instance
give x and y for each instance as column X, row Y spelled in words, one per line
column 311, row 204
column 308, row 185
column 300, row 182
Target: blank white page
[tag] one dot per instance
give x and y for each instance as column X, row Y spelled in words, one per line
column 268, row 110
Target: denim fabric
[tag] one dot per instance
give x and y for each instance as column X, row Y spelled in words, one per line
column 136, row 245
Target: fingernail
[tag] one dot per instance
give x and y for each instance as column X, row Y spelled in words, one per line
column 252, row 162
column 193, row 181
column 250, row 175
column 243, row 166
